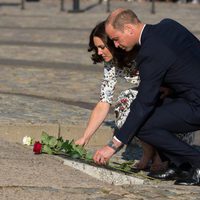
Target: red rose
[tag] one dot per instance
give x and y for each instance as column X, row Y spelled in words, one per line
column 37, row 148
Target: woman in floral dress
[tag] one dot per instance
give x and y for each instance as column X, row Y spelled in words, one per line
column 117, row 63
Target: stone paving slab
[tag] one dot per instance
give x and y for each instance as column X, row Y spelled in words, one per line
column 15, row 132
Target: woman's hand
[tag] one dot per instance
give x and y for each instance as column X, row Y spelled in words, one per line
column 82, row 141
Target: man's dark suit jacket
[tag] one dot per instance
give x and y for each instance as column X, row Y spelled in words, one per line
column 170, row 55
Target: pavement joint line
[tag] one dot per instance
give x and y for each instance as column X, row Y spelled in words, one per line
column 45, row 28
column 10, row 4
column 43, row 44
column 81, row 104
column 43, row 64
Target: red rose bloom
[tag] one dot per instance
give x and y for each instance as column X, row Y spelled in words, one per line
column 37, row 148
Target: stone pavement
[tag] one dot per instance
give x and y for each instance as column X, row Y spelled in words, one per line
column 27, row 176
column 48, row 82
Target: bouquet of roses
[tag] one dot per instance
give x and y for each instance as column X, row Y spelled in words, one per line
column 52, row 145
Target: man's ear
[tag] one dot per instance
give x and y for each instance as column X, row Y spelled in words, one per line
column 129, row 29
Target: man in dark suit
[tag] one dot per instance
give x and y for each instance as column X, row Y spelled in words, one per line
column 169, row 55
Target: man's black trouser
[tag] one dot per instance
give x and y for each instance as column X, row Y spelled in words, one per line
column 173, row 116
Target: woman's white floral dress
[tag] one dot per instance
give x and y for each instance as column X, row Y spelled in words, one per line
column 122, row 106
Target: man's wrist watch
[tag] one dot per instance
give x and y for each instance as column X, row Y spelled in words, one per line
column 112, row 145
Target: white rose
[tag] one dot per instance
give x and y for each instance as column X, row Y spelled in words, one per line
column 27, row 140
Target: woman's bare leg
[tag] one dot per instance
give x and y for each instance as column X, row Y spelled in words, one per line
column 157, row 164
column 148, row 153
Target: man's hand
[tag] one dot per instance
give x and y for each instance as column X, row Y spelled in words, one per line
column 102, row 156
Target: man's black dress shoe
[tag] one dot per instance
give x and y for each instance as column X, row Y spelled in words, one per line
column 169, row 174
column 172, row 173
column 193, row 179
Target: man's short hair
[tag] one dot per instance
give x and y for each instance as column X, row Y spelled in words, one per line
column 124, row 17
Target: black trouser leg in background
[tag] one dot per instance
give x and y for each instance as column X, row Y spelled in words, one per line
column 159, row 131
